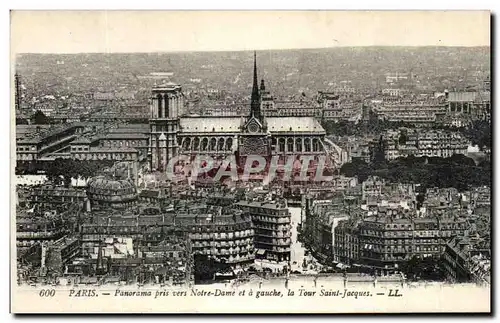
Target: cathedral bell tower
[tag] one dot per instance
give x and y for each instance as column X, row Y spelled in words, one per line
column 167, row 102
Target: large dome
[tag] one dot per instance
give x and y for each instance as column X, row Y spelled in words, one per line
column 103, row 190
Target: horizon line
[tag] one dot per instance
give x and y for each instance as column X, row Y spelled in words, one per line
column 257, row 50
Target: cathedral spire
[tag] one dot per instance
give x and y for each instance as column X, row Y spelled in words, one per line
column 255, row 105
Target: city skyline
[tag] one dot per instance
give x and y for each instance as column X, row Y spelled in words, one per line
column 185, row 31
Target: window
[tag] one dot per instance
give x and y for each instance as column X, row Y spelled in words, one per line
column 290, row 144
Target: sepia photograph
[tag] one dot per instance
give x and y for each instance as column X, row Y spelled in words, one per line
column 250, row 161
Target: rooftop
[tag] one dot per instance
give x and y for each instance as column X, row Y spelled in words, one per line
column 211, row 124
column 234, row 124
column 293, row 124
column 263, row 204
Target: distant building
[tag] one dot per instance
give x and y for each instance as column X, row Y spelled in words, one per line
column 356, row 147
column 430, row 143
column 345, row 91
column 487, row 84
column 396, row 77
column 396, row 92
column 103, row 96
column 476, row 105
column 225, row 110
column 294, row 108
column 83, row 141
column 48, row 195
column 336, row 107
column 418, row 113
column 128, row 142
column 343, row 183
column 272, row 107
column 328, row 100
column 34, row 229
column 372, row 187
column 37, row 141
column 345, row 111
column 481, row 196
column 47, row 108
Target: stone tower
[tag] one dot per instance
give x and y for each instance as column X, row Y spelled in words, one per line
column 167, row 103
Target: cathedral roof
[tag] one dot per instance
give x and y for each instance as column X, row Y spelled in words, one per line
column 293, row 124
column 233, row 124
column 211, row 124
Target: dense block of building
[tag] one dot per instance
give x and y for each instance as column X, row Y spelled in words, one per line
column 382, row 228
column 225, row 236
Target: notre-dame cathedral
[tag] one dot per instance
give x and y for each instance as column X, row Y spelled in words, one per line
column 172, row 133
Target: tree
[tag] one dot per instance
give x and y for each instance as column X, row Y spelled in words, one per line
column 40, row 118
column 64, row 168
column 423, row 269
column 462, row 160
column 379, row 154
column 357, row 168
column 420, row 200
column 403, row 138
column 479, row 133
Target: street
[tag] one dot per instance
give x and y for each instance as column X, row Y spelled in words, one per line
column 297, row 249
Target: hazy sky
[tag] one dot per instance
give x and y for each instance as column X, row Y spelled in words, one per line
column 150, row 31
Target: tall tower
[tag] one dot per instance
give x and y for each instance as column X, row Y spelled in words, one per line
column 17, row 80
column 255, row 105
column 254, row 139
column 167, row 104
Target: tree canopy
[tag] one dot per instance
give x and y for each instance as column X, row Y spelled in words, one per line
column 423, row 269
column 40, row 118
column 456, row 171
column 61, row 170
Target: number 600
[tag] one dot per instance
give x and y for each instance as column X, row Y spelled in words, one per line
column 47, row 293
